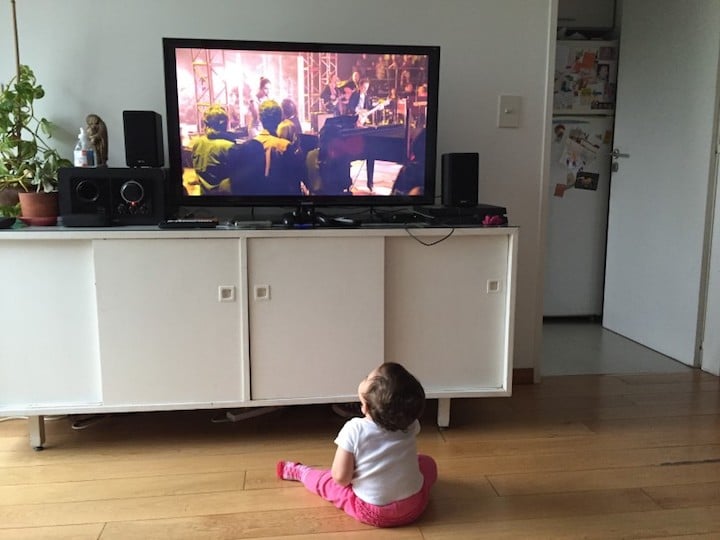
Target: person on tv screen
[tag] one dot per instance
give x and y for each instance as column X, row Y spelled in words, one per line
column 330, row 95
column 346, row 92
column 377, row 475
column 420, row 105
column 262, row 95
column 290, row 127
column 354, row 80
column 360, row 102
column 411, row 178
column 328, row 165
column 284, row 163
column 391, row 107
column 211, row 152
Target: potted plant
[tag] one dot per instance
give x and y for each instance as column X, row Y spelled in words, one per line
column 28, row 165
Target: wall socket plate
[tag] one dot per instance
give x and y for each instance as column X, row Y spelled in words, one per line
column 509, row 108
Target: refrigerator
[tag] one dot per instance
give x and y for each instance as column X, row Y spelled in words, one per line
column 580, row 161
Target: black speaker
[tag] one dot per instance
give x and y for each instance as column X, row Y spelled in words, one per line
column 460, row 179
column 103, row 197
column 143, row 139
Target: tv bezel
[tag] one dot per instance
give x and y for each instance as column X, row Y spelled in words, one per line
column 175, row 172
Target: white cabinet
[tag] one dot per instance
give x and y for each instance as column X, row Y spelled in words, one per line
column 447, row 309
column 586, row 14
column 166, row 334
column 133, row 319
column 49, row 346
column 316, row 314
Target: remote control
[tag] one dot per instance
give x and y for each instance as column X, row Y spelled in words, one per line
column 189, row 223
column 345, row 221
column 256, row 224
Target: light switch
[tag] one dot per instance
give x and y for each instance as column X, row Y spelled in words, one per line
column 509, row 111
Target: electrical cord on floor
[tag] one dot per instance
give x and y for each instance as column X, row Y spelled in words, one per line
column 243, row 414
column 85, row 421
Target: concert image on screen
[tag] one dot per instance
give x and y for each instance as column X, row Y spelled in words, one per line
column 274, row 123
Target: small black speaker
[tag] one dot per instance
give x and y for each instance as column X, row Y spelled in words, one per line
column 460, row 179
column 103, row 196
column 143, row 139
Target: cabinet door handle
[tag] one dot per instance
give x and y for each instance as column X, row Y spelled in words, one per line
column 261, row 292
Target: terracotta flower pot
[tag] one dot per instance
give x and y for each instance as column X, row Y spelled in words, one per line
column 39, row 208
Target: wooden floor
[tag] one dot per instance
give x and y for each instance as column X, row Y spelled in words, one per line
column 599, row 456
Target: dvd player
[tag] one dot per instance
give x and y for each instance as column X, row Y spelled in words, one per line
column 460, row 215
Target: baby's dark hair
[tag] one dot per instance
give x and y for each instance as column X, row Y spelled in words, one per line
column 395, row 398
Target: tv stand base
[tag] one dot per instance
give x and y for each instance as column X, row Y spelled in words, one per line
column 36, row 427
column 443, row 414
column 36, row 424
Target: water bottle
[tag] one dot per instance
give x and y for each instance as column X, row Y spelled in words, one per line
column 84, row 155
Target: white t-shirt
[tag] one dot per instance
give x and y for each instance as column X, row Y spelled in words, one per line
column 386, row 462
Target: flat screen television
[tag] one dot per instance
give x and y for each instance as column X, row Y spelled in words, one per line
column 254, row 123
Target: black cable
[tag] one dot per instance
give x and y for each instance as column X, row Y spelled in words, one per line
column 428, row 244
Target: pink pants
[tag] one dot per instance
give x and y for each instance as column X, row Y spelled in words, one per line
column 394, row 514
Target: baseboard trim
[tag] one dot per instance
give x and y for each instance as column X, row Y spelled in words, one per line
column 523, row 376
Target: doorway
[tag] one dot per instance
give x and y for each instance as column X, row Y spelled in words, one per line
column 659, row 214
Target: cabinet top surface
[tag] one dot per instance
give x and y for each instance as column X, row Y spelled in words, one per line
column 149, row 232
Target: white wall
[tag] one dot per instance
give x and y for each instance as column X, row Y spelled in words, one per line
column 105, row 56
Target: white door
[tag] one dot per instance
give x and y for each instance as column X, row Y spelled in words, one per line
column 667, row 83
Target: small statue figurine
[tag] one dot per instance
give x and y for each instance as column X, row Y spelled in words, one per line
column 97, row 135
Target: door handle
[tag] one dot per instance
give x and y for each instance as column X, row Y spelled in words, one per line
column 616, row 153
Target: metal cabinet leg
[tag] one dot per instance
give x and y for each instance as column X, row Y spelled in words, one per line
column 443, row 418
column 36, row 426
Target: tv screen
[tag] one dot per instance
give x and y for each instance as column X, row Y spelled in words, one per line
column 279, row 124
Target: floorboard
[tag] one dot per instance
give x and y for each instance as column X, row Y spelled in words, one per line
column 596, row 456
